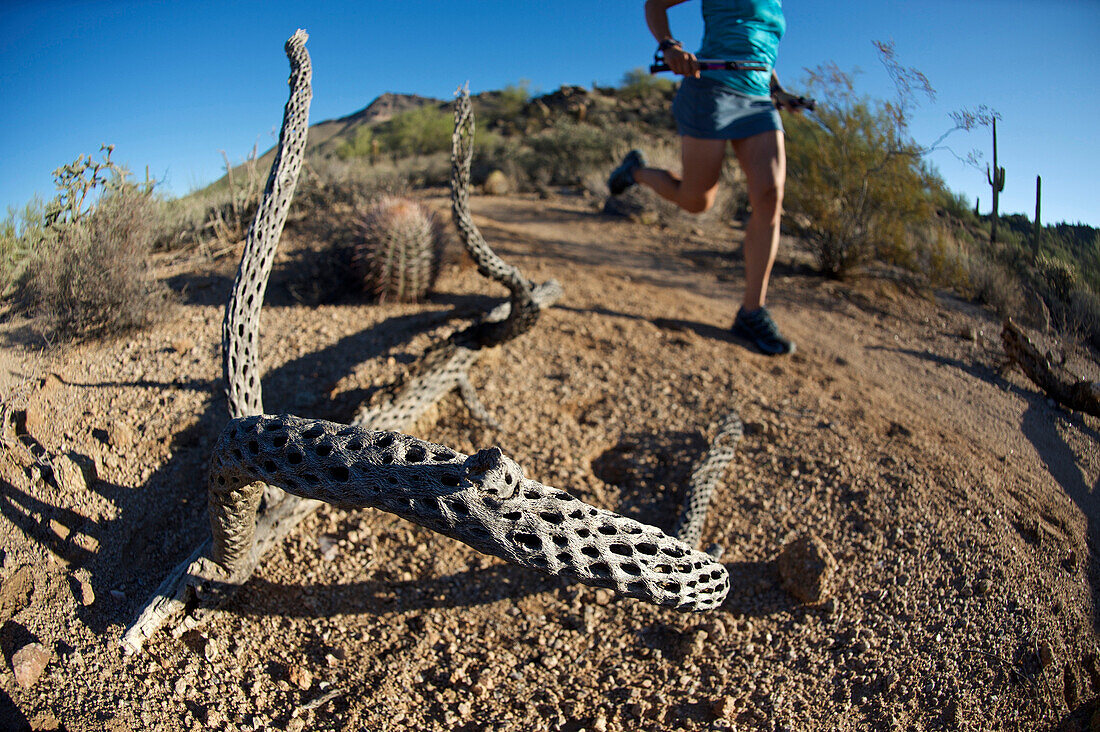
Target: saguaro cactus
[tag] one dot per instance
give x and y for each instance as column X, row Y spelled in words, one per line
column 996, row 178
column 1038, row 227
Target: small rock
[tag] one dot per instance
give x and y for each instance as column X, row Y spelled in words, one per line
column 600, row 724
column 1046, row 654
column 1072, row 690
column 28, row 663
column 329, row 546
column 604, row 596
column 38, row 414
column 296, row 725
column 496, row 184
column 45, row 722
column 120, row 435
column 16, row 592
column 213, row 718
column 300, row 677
column 118, row 595
column 807, row 568
column 68, row 474
column 85, row 595
column 982, row 586
column 725, row 708
column 210, row 649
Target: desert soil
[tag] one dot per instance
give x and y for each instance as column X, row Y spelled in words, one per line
column 959, row 503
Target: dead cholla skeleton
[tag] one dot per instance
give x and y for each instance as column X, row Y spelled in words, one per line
column 267, row 473
column 483, row 500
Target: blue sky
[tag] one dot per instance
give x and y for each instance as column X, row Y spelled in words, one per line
column 170, row 84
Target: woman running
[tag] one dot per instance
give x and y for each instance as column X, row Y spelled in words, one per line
column 740, row 106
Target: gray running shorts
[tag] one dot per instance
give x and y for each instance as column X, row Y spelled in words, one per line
column 710, row 110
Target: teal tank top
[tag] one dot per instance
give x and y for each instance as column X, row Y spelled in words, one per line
column 743, row 30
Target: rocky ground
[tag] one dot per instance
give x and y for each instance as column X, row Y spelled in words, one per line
column 959, row 504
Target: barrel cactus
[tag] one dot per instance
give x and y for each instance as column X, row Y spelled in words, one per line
column 398, row 255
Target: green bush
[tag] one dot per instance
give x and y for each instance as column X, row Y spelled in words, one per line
column 640, row 85
column 80, row 262
column 420, row 131
column 852, row 194
column 363, row 145
column 505, row 107
column 21, row 234
column 565, row 153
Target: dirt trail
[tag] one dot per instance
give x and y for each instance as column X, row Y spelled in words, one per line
column 960, row 506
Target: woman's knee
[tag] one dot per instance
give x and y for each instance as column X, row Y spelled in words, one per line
column 767, row 199
column 698, row 203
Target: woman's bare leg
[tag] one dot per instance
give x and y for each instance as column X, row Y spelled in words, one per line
column 702, row 165
column 763, row 159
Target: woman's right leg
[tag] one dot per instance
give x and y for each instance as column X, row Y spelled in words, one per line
column 695, row 190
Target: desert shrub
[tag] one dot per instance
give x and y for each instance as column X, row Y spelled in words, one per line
column 1056, row 277
column 995, row 284
column 400, row 251
column 495, row 152
column 1083, row 316
column 327, row 184
column 504, row 107
column 564, row 154
column 363, row 145
column 933, row 251
column 92, row 277
column 640, row 85
column 420, row 131
column 853, row 193
column 21, row 234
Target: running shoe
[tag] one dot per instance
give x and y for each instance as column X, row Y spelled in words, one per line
column 758, row 327
column 623, row 176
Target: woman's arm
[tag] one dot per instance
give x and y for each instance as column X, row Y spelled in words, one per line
column 656, row 17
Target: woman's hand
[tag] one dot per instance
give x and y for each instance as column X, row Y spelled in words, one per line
column 682, row 62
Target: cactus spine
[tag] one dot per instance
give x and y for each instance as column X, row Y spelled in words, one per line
column 996, row 178
column 399, row 255
column 1036, row 237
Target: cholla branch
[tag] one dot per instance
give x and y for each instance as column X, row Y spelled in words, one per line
column 241, row 326
column 1058, row 383
column 483, row 500
column 444, row 368
column 705, row 479
column 525, row 311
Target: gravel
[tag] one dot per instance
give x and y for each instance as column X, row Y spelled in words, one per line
column 957, row 505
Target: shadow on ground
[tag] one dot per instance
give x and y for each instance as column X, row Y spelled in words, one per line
column 156, row 525
column 1039, row 425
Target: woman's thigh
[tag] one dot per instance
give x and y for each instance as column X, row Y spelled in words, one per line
column 702, row 166
column 764, row 161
